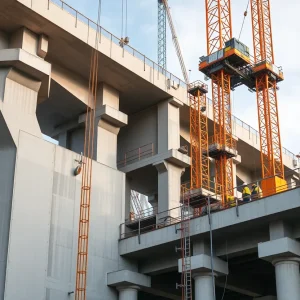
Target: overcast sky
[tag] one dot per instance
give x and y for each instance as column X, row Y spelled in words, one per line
column 189, row 19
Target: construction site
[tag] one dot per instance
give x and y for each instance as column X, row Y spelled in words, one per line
column 150, row 190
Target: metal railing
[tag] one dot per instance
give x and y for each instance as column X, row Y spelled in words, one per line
column 137, row 154
column 252, row 130
column 146, row 213
column 174, row 216
column 103, row 32
column 78, row 17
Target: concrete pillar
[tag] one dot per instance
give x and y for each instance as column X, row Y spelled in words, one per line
column 169, row 184
column 108, row 121
column 284, row 254
column 203, row 286
column 168, row 125
column 63, row 139
column 128, row 293
column 279, row 229
column 23, row 81
column 287, row 278
column 202, row 272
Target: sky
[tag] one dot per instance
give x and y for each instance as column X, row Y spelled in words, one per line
column 189, row 19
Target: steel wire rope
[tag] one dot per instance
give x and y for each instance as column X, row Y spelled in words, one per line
column 211, row 249
column 245, row 15
column 225, row 285
column 122, row 25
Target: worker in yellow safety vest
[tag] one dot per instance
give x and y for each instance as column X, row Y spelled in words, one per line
column 256, row 191
column 246, row 194
column 231, row 201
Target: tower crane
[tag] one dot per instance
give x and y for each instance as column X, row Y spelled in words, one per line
column 266, row 76
column 228, row 64
column 163, row 14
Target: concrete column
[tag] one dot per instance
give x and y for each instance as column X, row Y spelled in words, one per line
column 202, row 272
column 63, row 139
column 168, row 125
column 287, row 278
column 24, row 80
column 169, row 184
column 108, row 121
column 203, row 286
column 128, row 293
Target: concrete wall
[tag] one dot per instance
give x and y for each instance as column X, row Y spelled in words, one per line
column 45, row 214
column 141, row 130
column 7, row 163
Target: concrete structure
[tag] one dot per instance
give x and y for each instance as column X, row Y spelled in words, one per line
column 141, row 123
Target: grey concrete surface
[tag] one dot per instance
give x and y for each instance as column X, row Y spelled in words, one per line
column 128, row 278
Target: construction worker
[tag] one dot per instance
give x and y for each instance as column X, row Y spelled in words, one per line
column 231, row 201
column 256, row 191
column 246, row 194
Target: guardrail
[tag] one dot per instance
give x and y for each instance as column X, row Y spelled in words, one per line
column 137, row 154
column 252, row 130
column 174, row 216
column 103, row 32
column 79, row 17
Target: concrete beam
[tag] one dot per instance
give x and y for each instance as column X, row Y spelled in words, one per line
column 284, row 247
column 202, row 263
column 266, row 298
column 252, row 214
column 128, row 278
column 173, row 156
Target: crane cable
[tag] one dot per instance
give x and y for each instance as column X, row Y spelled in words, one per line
column 245, row 15
column 86, row 183
column 124, row 12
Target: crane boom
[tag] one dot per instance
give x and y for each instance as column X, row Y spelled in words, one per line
column 176, row 42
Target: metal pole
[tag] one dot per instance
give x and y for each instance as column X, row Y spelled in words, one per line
column 139, row 237
column 211, row 250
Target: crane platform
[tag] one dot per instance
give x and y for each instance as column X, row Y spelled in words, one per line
column 198, row 197
column 235, row 54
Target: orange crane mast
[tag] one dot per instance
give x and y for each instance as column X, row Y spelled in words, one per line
column 218, row 31
column 199, row 136
column 266, row 78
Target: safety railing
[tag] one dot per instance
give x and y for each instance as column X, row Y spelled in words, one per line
column 174, row 216
column 209, row 186
column 198, row 84
column 146, row 213
column 137, row 154
column 230, row 142
column 78, row 17
column 252, row 130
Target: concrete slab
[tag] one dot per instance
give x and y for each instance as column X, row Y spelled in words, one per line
column 202, row 263
column 284, row 247
column 125, row 278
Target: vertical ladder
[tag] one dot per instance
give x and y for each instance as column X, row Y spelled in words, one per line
column 186, row 276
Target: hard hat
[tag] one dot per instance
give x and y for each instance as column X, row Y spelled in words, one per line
column 253, row 184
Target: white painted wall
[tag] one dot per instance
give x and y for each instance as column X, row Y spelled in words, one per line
column 44, row 227
column 7, row 163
